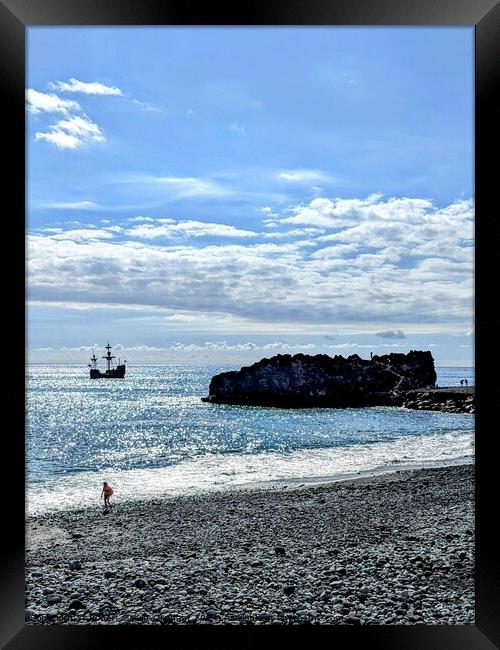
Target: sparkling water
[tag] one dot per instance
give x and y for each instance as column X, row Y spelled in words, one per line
column 150, row 434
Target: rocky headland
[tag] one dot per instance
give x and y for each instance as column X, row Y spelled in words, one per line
column 303, row 380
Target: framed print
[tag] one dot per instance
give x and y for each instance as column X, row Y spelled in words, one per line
column 254, row 322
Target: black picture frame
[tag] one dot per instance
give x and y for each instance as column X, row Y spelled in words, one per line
column 18, row 15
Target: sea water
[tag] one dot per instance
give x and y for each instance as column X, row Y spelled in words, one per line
column 150, row 434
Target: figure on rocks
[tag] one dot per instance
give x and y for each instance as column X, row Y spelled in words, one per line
column 107, row 491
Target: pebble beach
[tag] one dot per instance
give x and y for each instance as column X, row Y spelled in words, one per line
column 393, row 549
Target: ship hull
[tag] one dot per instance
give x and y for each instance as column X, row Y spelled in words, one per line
column 114, row 373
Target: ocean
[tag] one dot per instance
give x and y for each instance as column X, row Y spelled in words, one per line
column 150, row 435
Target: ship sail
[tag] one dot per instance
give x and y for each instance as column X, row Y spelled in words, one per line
column 112, row 371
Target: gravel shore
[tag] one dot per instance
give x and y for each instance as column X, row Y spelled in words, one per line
column 395, row 549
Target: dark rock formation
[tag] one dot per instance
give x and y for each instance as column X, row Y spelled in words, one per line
column 311, row 381
column 451, row 400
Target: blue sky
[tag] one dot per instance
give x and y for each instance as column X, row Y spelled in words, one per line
column 223, row 194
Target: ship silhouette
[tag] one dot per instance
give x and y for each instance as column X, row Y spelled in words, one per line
column 112, row 371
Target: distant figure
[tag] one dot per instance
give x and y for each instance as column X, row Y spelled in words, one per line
column 461, row 382
column 107, row 491
column 371, row 355
column 466, row 383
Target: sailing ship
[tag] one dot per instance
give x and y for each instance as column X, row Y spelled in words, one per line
column 112, row 372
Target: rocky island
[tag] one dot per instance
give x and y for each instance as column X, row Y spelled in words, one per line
column 303, row 380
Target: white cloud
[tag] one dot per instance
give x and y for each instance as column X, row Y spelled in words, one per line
column 330, row 213
column 75, row 130
column 368, row 272
column 84, row 234
column 332, row 252
column 81, row 127
column 140, row 219
column 71, row 205
column 209, row 351
column 187, row 228
column 47, row 103
column 179, row 186
column 237, row 128
column 297, row 232
column 320, row 212
column 92, row 88
column 60, row 139
column 72, row 133
column 301, row 175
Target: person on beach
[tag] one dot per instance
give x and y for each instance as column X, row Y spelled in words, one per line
column 461, row 382
column 107, row 491
column 466, row 383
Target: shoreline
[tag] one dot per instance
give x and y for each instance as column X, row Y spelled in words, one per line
column 291, row 482
column 393, row 548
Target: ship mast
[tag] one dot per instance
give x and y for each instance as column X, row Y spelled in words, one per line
column 108, row 357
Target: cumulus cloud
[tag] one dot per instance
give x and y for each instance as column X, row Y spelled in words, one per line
column 296, row 232
column 81, row 127
column 340, row 250
column 83, row 234
column 60, row 139
column 76, row 129
column 212, row 351
column 391, row 334
column 92, row 88
column 72, row 133
column 370, row 272
column 188, row 228
column 330, row 213
column 397, row 227
column 39, row 102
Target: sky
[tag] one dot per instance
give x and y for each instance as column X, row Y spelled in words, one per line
column 219, row 195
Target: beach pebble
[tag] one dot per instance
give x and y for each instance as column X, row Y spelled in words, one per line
column 383, row 559
column 52, row 599
column 76, row 604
